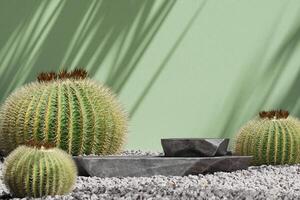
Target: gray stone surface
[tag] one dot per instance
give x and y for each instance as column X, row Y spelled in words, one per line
column 195, row 147
column 129, row 166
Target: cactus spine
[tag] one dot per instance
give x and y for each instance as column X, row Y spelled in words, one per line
column 272, row 138
column 37, row 172
column 77, row 114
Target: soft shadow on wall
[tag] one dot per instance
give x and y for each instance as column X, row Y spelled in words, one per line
column 60, row 34
column 72, row 34
column 110, row 38
column 261, row 80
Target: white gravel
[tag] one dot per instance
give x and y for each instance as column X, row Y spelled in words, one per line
column 264, row 182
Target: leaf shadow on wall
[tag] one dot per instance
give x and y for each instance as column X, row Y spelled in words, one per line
column 73, row 34
column 256, row 85
column 19, row 54
column 165, row 61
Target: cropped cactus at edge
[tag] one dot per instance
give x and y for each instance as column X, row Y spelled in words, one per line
column 39, row 171
column 76, row 113
column 273, row 138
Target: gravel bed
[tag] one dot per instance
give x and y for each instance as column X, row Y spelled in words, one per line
column 263, row 182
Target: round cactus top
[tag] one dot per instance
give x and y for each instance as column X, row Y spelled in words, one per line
column 39, row 144
column 274, row 114
column 76, row 74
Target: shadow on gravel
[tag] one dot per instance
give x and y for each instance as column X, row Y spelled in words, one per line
column 6, row 196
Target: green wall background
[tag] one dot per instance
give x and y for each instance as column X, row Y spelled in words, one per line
column 181, row 68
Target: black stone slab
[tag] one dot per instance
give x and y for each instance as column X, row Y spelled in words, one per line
column 195, row 147
column 123, row 166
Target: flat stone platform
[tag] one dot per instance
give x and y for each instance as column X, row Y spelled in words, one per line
column 129, row 166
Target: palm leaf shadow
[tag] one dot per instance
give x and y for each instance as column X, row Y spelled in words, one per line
column 33, row 48
column 265, row 79
column 102, row 24
column 26, row 46
column 165, row 61
column 145, row 14
column 112, row 29
column 292, row 96
column 139, row 44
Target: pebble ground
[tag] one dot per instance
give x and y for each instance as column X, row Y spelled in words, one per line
column 263, row 182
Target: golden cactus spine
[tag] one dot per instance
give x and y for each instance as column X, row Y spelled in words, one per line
column 79, row 115
column 37, row 172
column 272, row 138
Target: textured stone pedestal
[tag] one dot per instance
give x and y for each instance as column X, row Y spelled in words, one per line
column 122, row 166
column 195, row 147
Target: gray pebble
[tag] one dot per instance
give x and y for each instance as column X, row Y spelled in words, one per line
column 258, row 182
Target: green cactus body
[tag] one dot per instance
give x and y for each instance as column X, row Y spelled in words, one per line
column 270, row 140
column 79, row 116
column 35, row 172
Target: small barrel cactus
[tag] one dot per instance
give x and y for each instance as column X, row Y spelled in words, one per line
column 273, row 138
column 39, row 171
column 77, row 114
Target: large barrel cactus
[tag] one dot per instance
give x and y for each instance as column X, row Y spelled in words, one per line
column 76, row 113
column 272, row 138
column 39, row 171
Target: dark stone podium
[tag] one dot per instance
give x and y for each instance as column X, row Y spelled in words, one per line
column 124, row 166
column 182, row 156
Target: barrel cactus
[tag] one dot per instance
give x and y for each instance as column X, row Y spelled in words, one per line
column 68, row 109
column 39, row 171
column 272, row 138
